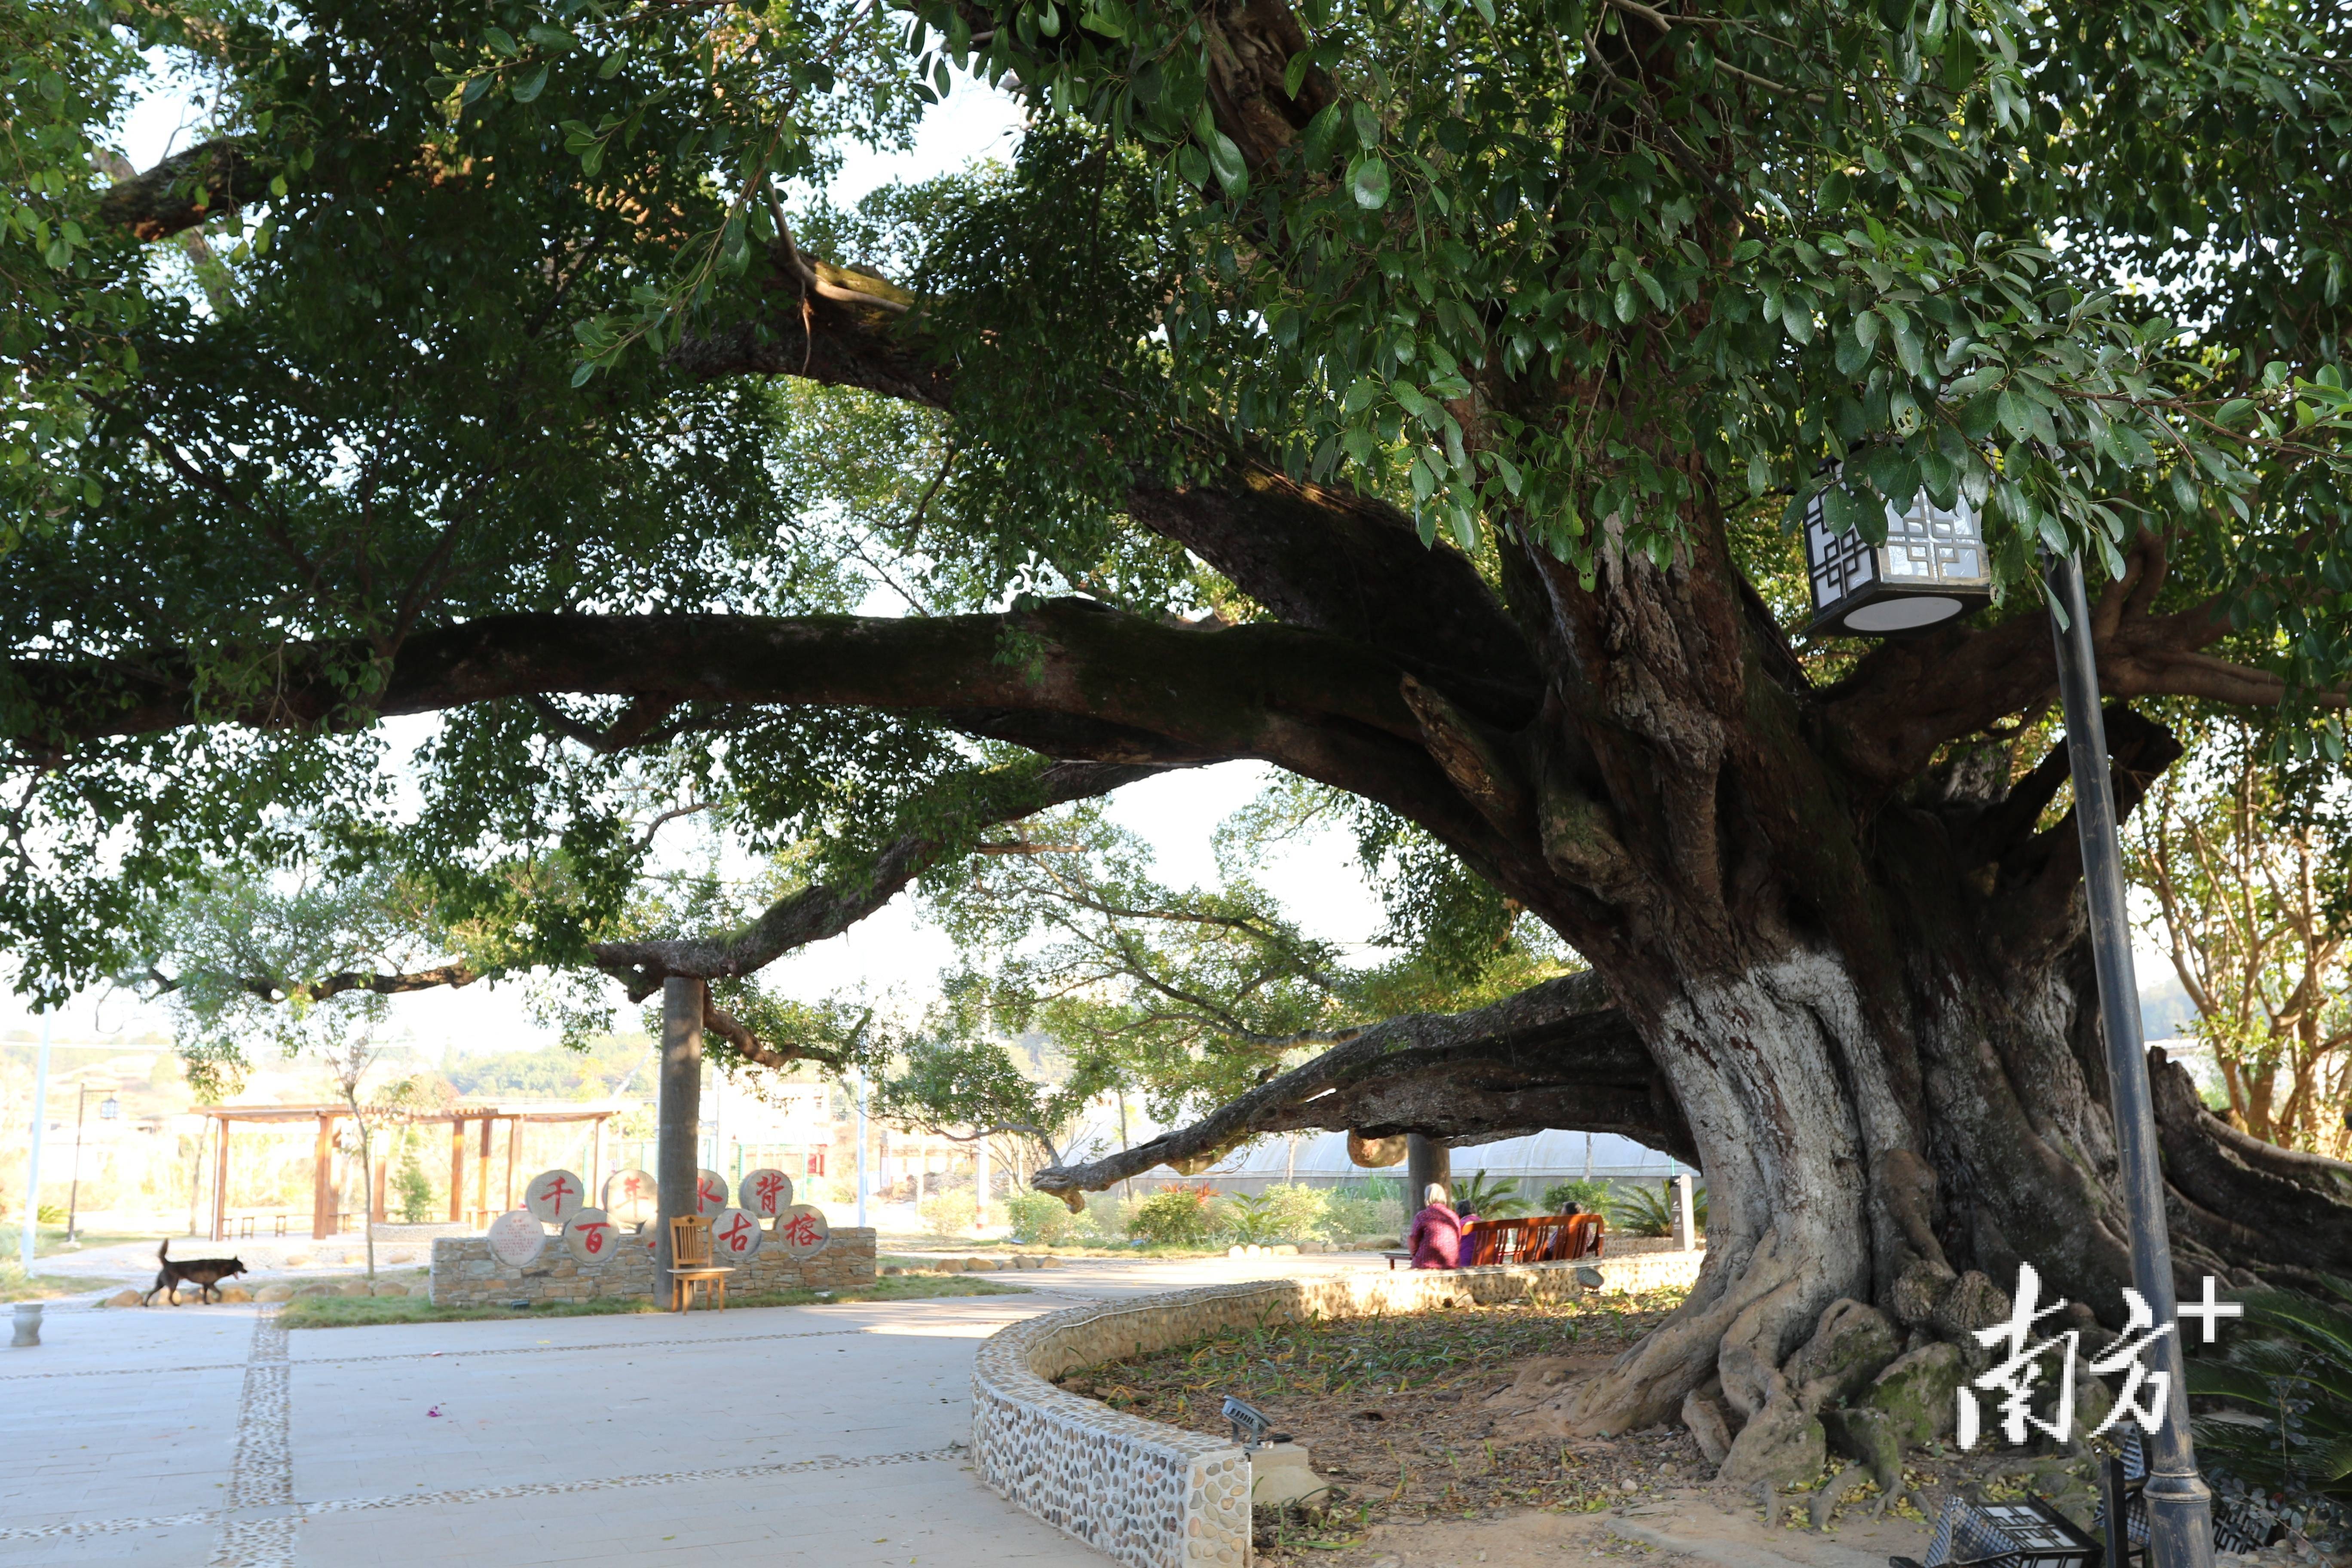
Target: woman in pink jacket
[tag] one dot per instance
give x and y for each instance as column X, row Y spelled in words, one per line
column 1437, row 1239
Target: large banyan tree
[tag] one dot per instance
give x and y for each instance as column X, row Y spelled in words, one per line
column 1470, row 360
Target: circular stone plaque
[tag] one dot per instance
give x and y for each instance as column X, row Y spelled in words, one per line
column 803, row 1230
column 710, row 1193
column 554, row 1196
column 593, row 1238
column 765, row 1193
column 631, row 1197
column 734, row 1237
column 516, row 1239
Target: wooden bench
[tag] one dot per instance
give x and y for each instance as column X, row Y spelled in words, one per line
column 1545, row 1238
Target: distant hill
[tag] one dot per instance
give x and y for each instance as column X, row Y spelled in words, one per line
column 554, row 1072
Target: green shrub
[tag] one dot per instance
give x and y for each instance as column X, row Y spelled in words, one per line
column 1284, row 1212
column 1488, row 1199
column 951, row 1213
column 1173, row 1217
column 1041, row 1219
column 1577, row 1197
column 49, row 1214
column 1104, row 1223
column 2287, row 1365
column 1371, row 1207
column 1642, row 1209
column 1298, row 1210
column 415, row 1191
column 1244, row 1217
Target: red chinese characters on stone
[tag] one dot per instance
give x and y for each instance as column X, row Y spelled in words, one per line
column 593, row 1238
column 770, row 1187
column 737, row 1234
column 800, row 1230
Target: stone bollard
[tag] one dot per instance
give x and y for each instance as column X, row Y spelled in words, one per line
column 27, row 1325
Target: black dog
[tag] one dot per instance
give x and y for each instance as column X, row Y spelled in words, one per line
column 205, row 1272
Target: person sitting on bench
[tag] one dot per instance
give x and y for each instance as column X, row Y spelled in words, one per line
column 1436, row 1241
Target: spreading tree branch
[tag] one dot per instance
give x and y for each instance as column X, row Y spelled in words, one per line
column 1557, row 1055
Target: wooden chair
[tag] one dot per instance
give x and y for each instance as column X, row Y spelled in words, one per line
column 691, row 1268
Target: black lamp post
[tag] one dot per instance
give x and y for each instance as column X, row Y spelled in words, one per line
column 2179, row 1505
column 1933, row 567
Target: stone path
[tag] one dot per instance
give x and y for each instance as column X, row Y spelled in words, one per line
column 213, row 1436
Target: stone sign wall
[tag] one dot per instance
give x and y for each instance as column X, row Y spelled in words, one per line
column 467, row 1274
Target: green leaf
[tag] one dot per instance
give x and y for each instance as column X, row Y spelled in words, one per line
column 531, row 85
column 555, row 38
column 1866, row 328
column 1627, row 305
column 1836, row 190
column 1848, row 511
column 1226, row 159
column 1851, row 355
column 1369, row 182
column 500, row 41
column 2016, row 413
column 1367, row 124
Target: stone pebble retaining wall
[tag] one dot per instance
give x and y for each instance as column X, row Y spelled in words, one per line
column 1157, row 1496
column 465, row 1273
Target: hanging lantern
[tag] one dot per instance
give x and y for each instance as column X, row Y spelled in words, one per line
column 1931, row 568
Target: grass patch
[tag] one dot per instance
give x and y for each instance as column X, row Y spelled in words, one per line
column 15, row 1285
column 373, row 1311
column 51, row 1241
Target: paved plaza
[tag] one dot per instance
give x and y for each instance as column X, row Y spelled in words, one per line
column 831, row 1435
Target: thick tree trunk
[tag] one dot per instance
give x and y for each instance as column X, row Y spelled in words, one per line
column 677, row 1161
column 1427, row 1163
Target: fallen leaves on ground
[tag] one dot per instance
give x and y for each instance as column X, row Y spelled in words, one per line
column 1409, row 1416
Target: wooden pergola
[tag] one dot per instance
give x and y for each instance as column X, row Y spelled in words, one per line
column 324, row 1210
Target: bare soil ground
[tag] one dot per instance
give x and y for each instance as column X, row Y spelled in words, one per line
column 1422, row 1423
column 1410, row 1416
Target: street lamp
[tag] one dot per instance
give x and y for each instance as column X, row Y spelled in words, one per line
column 107, row 1108
column 2179, row 1505
column 1932, row 567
